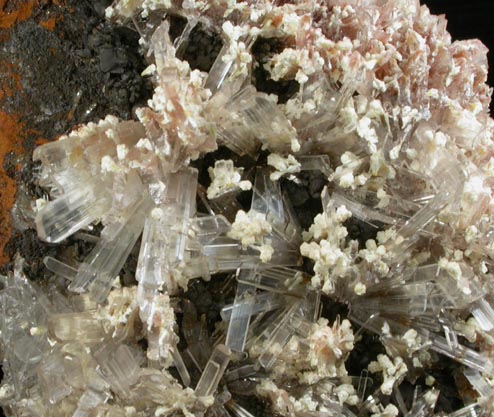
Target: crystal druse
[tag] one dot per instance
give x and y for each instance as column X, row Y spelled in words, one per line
column 388, row 111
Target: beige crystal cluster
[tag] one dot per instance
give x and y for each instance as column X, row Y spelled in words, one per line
column 387, row 110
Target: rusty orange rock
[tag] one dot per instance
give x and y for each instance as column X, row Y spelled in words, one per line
column 13, row 131
column 12, row 12
column 11, row 137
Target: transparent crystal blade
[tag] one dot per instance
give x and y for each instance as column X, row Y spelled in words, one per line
column 76, row 326
column 59, row 268
column 462, row 354
column 278, row 337
column 105, row 261
column 70, row 213
column 119, row 367
column 484, row 314
column 213, row 372
column 240, row 317
column 237, row 410
column 278, row 279
column 179, row 364
column 261, row 303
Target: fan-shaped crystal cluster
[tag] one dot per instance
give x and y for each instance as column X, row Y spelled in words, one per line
column 387, row 129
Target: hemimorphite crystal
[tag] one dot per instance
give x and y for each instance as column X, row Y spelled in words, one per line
column 213, row 371
column 379, row 136
column 97, row 272
column 70, row 213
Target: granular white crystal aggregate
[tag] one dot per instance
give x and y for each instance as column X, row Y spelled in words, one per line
column 251, row 230
column 328, row 251
column 282, row 165
column 329, row 347
column 225, row 178
column 392, row 371
column 389, row 411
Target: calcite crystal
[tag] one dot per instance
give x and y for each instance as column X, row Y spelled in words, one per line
column 388, row 131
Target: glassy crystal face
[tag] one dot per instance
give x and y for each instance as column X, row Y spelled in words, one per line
column 345, row 234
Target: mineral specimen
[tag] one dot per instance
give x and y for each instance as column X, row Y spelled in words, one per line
column 388, row 111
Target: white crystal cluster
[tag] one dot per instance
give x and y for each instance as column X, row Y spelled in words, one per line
column 393, row 115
